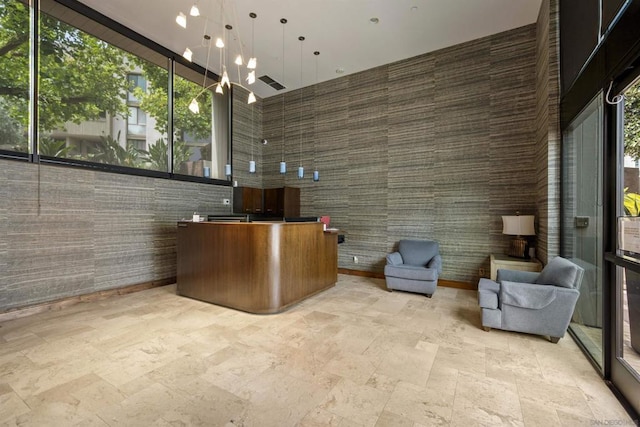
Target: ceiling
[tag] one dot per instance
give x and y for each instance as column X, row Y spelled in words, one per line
column 341, row 30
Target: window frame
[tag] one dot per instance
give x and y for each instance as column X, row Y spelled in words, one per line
column 154, row 49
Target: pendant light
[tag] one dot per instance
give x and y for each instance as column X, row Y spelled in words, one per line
column 251, row 65
column 300, row 168
column 252, row 163
column 316, row 173
column 283, row 164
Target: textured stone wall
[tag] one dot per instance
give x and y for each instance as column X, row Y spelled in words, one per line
column 67, row 231
column 438, row 146
column 548, row 136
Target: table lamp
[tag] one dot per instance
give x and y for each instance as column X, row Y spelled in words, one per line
column 518, row 225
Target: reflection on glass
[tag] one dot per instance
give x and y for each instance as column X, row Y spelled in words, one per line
column 200, row 134
column 630, row 318
column 582, row 221
column 14, row 78
column 97, row 102
column 631, row 208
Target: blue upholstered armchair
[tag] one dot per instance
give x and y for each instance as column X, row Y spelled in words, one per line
column 536, row 303
column 414, row 267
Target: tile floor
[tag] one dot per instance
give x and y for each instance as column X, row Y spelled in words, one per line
column 355, row 355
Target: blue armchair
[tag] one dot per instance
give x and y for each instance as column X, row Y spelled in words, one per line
column 536, row 303
column 414, row 267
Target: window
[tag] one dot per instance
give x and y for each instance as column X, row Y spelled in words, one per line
column 15, row 76
column 136, row 122
column 137, row 84
column 199, row 148
column 95, row 97
column 103, row 97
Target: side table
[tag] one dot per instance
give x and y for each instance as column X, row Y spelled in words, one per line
column 511, row 263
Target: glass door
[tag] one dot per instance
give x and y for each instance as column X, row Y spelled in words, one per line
column 582, row 212
column 625, row 360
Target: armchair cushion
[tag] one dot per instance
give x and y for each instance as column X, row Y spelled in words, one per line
column 418, row 252
column 559, row 272
column 411, row 272
column 394, row 258
column 527, row 295
column 516, row 276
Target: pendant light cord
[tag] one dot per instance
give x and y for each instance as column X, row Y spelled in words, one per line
column 301, row 38
column 283, row 21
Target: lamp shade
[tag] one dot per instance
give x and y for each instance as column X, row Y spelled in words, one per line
column 518, row 225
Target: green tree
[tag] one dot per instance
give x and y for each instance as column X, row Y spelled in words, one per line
column 155, row 99
column 109, row 151
column 632, row 121
column 80, row 77
column 156, row 157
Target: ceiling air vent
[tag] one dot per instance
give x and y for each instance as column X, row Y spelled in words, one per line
column 274, row 84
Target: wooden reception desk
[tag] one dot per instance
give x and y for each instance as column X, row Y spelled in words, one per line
column 258, row 267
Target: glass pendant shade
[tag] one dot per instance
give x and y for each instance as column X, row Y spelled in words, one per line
column 252, row 166
column 238, row 60
column 227, row 169
column 188, row 54
column 194, row 107
column 251, row 77
column 316, row 176
column 253, row 62
column 219, row 43
column 225, row 79
column 194, row 10
column 300, row 172
column 219, row 88
column 251, row 99
column 283, row 167
column 181, row 20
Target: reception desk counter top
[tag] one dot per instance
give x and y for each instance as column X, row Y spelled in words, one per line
column 258, row 267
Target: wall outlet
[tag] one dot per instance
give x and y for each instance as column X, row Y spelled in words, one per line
column 355, row 259
column 481, row 272
column 226, row 202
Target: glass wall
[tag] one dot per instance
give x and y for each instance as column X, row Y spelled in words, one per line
column 628, row 280
column 103, row 98
column 198, row 113
column 15, row 76
column 582, row 233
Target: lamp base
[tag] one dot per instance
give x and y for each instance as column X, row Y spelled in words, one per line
column 519, row 248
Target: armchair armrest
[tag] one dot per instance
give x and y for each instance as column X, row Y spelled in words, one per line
column 535, row 296
column 394, row 258
column 436, row 262
column 516, row 276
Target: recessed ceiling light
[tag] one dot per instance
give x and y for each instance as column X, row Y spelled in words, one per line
column 374, row 20
column 339, row 70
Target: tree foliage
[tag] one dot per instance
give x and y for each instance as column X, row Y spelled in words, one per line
column 80, row 79
column 80, row 76
column 632, row 121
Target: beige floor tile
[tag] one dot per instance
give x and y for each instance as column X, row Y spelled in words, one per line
column 319, row 417
column 480, row 400
column 144, row 407
column 388, row 419
column 356, row 367
column 536, row 415
column 507, row 366
column 11, row 405
column 411, row 365
column 429, row 406
column 353, row 355
column 560, row 397
column 286, row 404
column 357, row 403
column 212, row 406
